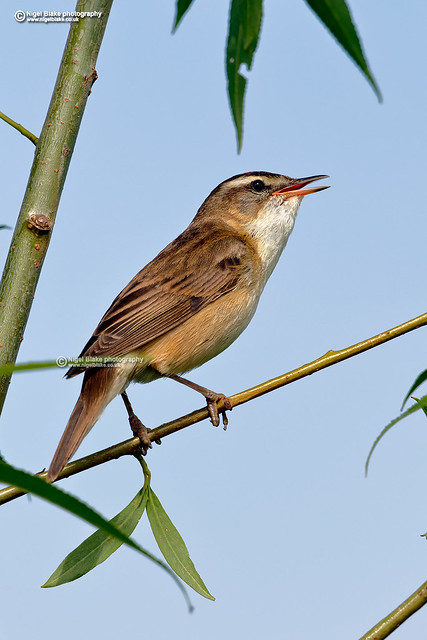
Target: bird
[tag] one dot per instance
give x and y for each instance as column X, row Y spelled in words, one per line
column 189, row 303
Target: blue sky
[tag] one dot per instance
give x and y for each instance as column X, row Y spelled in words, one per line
column 276, row 512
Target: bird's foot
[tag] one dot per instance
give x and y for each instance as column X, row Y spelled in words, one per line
column 139, row 430
column 212, row 400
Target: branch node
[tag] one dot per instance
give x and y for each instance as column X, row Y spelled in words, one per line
column 90, row 78
column 40, row 223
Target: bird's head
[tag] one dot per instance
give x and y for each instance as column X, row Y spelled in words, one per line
column 253, row 195
column 260, row 205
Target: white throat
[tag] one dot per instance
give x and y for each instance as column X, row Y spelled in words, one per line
column 272, row 228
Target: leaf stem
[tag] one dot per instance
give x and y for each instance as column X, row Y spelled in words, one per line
column 145, row 469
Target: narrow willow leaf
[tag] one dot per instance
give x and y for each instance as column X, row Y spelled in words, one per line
column 173, row 546
column 421, row 378
column 243, row 34
column 420, row 404
column 100, row 545
column 336, row 17
column 6, row 369
column 5, row 226
column 61, row 363
column 182, row 6
column 42, row 489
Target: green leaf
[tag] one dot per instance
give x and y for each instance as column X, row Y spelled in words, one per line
column 421, row 378
column 42, row 489
column 100, row 545
column 6, row 369
column 173, row 547
column 336, row 17
column 182, row 6
column 243, row 34
column 5, row 226
column 420, row 404
column 61, row 362
column 128, row 519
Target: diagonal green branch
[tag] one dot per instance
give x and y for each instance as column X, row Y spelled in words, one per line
column 130, row 447
column 394, row 619
column 52, row 157
column 19, row 128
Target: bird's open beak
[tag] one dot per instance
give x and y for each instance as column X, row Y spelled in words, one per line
column 296, row 189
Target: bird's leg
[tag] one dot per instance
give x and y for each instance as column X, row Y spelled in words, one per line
column 139, row 430
column 211, row 400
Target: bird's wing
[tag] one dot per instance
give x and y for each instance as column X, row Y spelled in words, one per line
column 184, row 278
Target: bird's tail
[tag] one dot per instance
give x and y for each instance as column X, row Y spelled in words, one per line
column 99, row 387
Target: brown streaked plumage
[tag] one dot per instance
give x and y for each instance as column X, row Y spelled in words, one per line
column 192, row 301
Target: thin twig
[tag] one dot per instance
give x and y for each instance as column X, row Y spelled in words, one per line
column 129, row 447
column 19, row 128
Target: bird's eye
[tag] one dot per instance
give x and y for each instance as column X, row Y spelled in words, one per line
column 258, row 186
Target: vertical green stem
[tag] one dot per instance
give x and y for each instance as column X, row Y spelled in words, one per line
column 51, row 161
